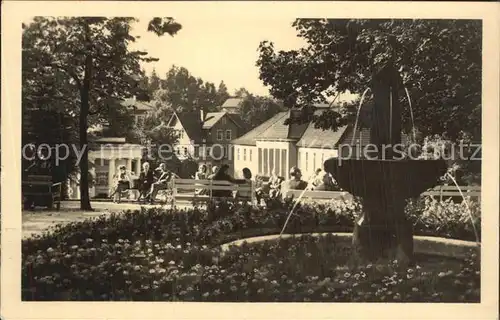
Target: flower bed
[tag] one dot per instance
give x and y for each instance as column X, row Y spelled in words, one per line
column 160, row 254
column 428, row 216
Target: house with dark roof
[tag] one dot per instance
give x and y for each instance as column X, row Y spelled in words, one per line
column 232, row 105
column 139, row 108
column 276, row 146
column 206, row 137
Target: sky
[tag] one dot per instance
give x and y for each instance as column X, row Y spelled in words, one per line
column 218, row 49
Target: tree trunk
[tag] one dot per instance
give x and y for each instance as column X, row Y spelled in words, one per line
column 84, row 112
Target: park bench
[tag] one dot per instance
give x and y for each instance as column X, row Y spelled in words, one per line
column 185, row 190
column 313, row 195
column 442, row 192
column 474, row 192
column 40, row 190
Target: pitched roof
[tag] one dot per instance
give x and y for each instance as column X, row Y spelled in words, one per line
column 319, row 138
column 239, row 121
column 191, row 123
column 250, row 137
column 232, row 103
column 212, row 118
column 139, row 105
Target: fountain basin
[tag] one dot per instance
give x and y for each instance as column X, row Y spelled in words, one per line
column 385, row 179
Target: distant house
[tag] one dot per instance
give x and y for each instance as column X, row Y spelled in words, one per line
column 274, row 145
column 206, row 137
column 232, row 105
column 140, row 108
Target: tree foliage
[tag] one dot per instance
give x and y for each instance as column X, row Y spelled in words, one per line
column 82, row 66
column 184, row 92
column 439, row 61
column 255, row 110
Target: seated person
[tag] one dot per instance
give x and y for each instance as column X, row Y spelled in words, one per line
column 161, row 183
column 121, row 183
column 214, row 171
column 275, row 185
column 201, row 174
column 223, row 175
column 146, row 179
column 295, row 182
column 316, row 179
column 247, row 175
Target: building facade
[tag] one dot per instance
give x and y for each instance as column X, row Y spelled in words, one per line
column 274, row 146
column 206, row 137
column 279, row 147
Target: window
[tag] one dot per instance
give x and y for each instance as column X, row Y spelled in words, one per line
column 314, row 161
column 299, row 156
column 224, row 121
column 277, row 161
column 283, row 163
column 260, row 160
column 238, row 154
column 185, row 151
column 271, row 160
column 245, row 154
column 228, row 134
column 307, row 161
column 250, row 154
column 219, row 135
column 266, row 170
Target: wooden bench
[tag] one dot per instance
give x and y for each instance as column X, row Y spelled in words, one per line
column 42, row 191
column 313, row 195
column 452, row 191
column 186, row 190
column 439, row 191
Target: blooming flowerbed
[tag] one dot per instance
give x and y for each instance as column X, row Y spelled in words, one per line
column 171, row 255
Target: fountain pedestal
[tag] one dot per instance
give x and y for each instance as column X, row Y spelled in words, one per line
column 383, row 178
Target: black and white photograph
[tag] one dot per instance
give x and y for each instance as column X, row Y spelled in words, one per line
column 243, row 159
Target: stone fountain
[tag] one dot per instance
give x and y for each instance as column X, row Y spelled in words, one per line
column 384, row 180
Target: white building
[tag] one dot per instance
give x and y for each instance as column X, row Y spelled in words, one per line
column 104, row 159
column 274, row 145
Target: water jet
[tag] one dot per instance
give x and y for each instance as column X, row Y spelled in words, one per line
column 384, row 179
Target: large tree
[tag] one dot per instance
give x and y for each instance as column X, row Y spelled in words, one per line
column 86, row 63
column 439, row 60
column 254, row 109
column 182, row 91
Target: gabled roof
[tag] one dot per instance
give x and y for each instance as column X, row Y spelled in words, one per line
column 239, row 121
column 191, row 123
column 232, row 103
column 319, row 138
column 139, row 105
column 212, row 118
column 250, row 137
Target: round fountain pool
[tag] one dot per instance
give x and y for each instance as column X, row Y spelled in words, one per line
column 318, row 268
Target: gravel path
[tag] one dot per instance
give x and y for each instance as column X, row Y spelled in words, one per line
column 36, row 221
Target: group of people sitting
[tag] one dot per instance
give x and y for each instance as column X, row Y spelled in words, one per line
column 149, row 182
column 278, row 186
column 274, row 188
